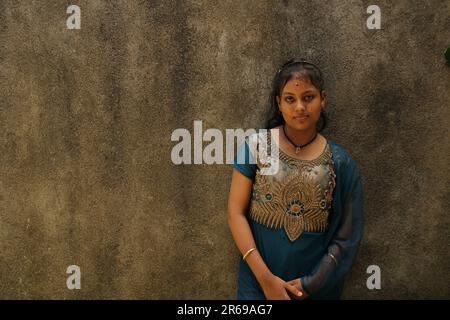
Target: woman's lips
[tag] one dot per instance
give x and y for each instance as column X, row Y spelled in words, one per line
column 302, row 118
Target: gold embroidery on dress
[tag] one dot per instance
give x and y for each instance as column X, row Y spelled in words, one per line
column 296, row 202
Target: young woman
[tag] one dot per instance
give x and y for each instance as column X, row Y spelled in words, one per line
column 298, row 229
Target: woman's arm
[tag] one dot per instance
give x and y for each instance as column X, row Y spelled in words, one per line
column 238, row 201
column 337, row 262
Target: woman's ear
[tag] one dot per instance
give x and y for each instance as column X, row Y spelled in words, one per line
column 324, row 99
column 278, row 100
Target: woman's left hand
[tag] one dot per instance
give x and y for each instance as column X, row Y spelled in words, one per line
column 298, row 285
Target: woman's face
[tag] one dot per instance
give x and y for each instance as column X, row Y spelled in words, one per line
column 301, row 103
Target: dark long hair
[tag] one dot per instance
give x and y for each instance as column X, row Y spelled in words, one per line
column 289, row 70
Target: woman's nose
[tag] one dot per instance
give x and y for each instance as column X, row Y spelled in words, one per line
column 300, row 106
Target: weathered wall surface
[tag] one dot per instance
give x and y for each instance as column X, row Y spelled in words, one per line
column 87, row 115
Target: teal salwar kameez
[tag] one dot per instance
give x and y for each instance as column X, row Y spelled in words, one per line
column 306, row 220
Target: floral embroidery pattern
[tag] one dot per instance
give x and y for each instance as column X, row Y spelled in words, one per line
column 295, row 202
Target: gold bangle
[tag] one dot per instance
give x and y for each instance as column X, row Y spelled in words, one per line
column 247, row 253
column 333, row 257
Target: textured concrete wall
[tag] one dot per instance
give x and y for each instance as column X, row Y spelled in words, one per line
column 86, row 119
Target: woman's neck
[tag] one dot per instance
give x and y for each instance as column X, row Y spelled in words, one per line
column 299, row 137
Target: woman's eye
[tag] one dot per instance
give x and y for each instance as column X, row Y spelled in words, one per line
column 309, row 97
column 289, row 99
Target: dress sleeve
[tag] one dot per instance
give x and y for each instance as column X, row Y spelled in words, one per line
column 244, row 161
column 337, row 262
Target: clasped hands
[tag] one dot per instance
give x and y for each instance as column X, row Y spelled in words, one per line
column 275, row 288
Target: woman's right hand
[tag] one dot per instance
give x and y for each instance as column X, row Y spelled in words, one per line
column 275, row 288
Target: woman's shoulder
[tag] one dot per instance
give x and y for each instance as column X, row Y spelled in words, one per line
column 341, row 155
column 257, row 138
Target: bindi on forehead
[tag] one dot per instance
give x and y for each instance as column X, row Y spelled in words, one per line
column 297, row 85
column 297, row 81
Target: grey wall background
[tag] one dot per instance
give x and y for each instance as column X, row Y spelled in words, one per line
column 86, row 119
